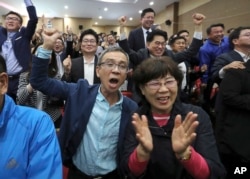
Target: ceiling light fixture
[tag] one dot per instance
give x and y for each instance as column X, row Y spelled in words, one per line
column 151, row 3
column 119, row 1
column 105, row 9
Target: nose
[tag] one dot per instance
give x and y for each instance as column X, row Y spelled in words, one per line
column 116, row 68
column 163, row 87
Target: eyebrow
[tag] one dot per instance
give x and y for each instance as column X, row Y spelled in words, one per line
column 111, row 59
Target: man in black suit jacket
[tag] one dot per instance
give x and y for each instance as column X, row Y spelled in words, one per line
column 156, row 47
column 85, row 65
column 232, row 59
column 232, row 118
column 137, row 37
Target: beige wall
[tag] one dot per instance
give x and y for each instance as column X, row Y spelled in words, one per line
column 230, row 12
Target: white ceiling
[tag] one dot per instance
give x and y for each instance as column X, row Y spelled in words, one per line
column 88, row 9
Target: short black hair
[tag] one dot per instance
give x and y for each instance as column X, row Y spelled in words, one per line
column 235, row 34
column 146, row 11
column 87, row 32
column 175, row 37
column 182, row 31
column 15, row 13
column 214, row 25
column 151, row 35
column 3, row 67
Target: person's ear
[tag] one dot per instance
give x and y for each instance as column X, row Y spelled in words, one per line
column 3, row 83
column 97, row 71
column 142, row 89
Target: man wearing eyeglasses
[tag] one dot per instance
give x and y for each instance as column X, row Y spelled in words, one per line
column 15, row 44
column 156, row 46
column 83, row 66
column 95, row 118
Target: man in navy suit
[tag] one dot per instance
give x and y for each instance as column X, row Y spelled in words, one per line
column 137, row 37
column 15, row 44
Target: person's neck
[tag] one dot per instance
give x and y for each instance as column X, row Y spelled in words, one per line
column 112, row 98
column 88, row 56
column 245, row 50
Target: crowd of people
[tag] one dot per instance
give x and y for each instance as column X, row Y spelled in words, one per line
column 173, row 124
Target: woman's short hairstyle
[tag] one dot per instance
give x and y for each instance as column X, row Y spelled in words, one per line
column 151, row 69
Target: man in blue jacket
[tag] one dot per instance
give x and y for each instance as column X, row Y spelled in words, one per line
column 15, row 44
column 95, row 117
column 28, row 142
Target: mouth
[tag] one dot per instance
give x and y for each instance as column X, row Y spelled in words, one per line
column 114, row 82
column 163, row 100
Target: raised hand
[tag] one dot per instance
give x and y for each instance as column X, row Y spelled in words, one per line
column 49, row 36
column 67, row 65
column 143, row 136
column 184, row 133
column 198, row 18
column 122, row 20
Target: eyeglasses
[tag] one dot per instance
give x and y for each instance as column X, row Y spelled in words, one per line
column 12, row 19
column 86, row 41
column 246, row 35
column 111, row 66
column 157, row 43
column 156, row 85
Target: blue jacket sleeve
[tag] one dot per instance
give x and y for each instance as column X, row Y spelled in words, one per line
column 44, row 152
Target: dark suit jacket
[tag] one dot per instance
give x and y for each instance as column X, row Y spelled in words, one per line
column 233, row 124
column 77, row 71
column 137, row 57
column 136, row 39
column 22, row 38
column 223, row 60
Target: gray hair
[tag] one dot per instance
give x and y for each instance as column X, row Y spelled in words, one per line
column 112, row 49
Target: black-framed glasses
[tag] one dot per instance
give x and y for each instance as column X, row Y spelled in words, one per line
column 12, row 19
column 111, row 66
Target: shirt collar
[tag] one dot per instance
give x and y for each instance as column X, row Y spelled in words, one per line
column 100, row 97
column 145, row 30
column 11, row 34
column 244, row 56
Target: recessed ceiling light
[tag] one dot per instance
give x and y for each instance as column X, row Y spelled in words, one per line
column 66, row 7
column 100, row 17
column 151, row 3
column 131, row 18
column 96, row 23
column 105, row 9
column 140, row 11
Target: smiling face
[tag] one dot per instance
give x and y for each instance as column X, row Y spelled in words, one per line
column 89, row 44
column 58, row 46
column 147, row 20
column 179, row 45
column 157, row 47
column 216, row 34
column 12, row 23
column 112, row 77
column 161, row 93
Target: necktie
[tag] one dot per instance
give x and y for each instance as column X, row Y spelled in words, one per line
column 59, row 65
